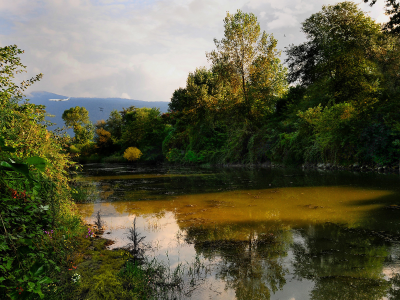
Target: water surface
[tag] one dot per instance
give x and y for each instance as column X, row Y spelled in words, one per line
column 260, row 233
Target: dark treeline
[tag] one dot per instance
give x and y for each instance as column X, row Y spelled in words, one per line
column 337, row 101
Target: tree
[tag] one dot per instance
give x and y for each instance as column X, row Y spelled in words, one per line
column 392, row 10
column 103, row 139
column 114, row 125
column 145, row 129
column 75, row 116
column 179, row 100
column 78, row 118
column 10, row 65
column 339, row 62
column 248, row 60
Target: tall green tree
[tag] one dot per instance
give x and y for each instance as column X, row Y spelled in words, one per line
column 75, row 116
column 248, row 59
column 338, row 62
column 78, row 118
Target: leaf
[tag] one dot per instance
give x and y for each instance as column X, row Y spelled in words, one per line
column 44, row 207
column 20, row 168
column 37, row 269
column 45, row 280
column 5, row 164
column 38, row 162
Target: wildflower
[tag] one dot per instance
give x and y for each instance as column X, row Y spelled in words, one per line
column 75, row 278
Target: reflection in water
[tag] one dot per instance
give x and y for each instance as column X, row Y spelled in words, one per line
column 251, row 255
column 342, row 260
column 264, row 234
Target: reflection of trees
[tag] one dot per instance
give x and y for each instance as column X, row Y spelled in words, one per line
column 86, row 210
column 106, row 191
column 343, row 263
column 250, row 255
column 394, row 290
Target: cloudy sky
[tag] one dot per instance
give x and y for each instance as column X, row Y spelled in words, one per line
column 138, row 49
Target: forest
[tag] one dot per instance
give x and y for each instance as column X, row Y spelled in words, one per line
column 336, row 102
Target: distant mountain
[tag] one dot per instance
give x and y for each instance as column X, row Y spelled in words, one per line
column 98, row 108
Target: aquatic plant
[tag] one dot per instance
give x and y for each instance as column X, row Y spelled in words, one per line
column 137, row 248
column 99, row 222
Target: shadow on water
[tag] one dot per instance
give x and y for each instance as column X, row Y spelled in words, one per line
column 266, row 234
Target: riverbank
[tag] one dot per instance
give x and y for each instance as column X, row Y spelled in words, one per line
column 94, row 272
column 378, row 168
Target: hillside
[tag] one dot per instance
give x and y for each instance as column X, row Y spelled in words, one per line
column 99, row 108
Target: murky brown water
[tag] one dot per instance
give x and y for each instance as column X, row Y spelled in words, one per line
column 262, row 234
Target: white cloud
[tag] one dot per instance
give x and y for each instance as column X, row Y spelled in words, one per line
column 283, row 20
column 125, row 95
column 144, row 49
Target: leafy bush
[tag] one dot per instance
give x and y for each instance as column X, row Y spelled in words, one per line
column 132, row 154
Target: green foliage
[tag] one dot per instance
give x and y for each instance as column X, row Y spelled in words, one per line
column 84, row 134
column 248, row 60
column 28, row 209
column 10, row 65
column 36, row 210
column 143, row 128
column 174, row 155
column 78, row 118
column 339, row 57
column 75, row 116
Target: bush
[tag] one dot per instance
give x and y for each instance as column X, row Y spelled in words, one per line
column 132, row 154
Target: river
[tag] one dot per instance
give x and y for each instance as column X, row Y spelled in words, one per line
column 285, row 234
